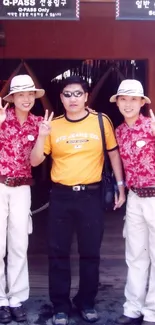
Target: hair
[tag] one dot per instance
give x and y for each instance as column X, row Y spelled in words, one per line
column 74, row 80
column 128, row 96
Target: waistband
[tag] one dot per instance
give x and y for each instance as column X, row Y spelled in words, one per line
column 144, row 191
column 76, row 188
column 16, row 181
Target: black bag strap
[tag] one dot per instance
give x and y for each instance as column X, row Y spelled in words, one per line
column 106, row 159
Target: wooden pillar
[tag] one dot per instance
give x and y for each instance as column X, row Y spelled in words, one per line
column 151, row 81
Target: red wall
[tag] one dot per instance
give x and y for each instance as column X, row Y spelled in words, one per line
column 96, row 35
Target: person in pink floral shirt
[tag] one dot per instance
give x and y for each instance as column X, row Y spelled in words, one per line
column 136, row 140
column 19, row 130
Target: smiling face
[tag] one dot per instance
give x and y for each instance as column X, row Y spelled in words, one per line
column 130, row 106
column 24, row 100
column 74, row 98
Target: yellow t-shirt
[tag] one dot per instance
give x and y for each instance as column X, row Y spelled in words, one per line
column 76, row 149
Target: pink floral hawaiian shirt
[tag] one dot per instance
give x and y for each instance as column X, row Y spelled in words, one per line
column 137, row 150
column 16, row 143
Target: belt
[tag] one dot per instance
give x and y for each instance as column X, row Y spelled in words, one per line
column 144, row 191
column 77, row 188
column 16, row 181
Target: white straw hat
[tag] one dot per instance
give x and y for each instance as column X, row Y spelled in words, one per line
column 130, row 87
column 22, row 83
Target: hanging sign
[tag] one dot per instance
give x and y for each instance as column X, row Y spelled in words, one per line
column 40, row 9
column 135, row 9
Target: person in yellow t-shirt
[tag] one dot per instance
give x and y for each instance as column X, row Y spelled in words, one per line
column 74, row 142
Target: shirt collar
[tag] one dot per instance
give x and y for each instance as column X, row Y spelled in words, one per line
column 138, row 122
column 12, row 116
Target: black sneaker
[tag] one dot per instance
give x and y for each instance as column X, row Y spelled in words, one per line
column 18, row 314
column 5, row 315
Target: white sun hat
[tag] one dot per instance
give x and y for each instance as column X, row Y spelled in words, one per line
column 20, row 83
column 130, row 87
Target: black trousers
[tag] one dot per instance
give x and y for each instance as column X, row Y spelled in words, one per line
column 81, row 212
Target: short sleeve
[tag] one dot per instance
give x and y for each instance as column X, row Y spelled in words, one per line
column 117, row 134
column 47, row 145
column 110, row 138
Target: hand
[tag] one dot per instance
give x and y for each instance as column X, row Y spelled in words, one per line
column 45, row 127
column 119, row 200
column 2, row 111
column 152, row 121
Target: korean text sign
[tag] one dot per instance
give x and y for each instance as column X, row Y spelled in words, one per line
column 40, row 9
column 135, row 9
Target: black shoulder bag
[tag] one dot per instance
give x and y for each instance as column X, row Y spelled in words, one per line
column 108, row 184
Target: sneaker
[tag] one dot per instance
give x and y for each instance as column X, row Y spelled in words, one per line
column 89, row 315
column 5, row 315
column 60, row 319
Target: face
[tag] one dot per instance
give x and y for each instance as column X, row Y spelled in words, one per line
column 24, row 100
column 74, row 98
column 130, row 106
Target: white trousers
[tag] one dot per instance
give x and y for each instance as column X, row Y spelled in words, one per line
column 15, row 220
column 139, row 231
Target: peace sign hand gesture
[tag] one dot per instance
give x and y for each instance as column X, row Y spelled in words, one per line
column 152, row 121
column 2, row 111
column 45, row 127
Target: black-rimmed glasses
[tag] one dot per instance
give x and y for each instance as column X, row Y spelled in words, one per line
column 76, row 93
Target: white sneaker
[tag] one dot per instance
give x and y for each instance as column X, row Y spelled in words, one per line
column 60, row 319
column 90, row 315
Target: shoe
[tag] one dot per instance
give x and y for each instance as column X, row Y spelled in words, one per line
column 126, row 320
column 89, row 315
column 60, row 319
column 5, row 315
column 18, row 314
column 147, row 323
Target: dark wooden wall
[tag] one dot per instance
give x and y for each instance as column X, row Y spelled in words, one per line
column 96, row 35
